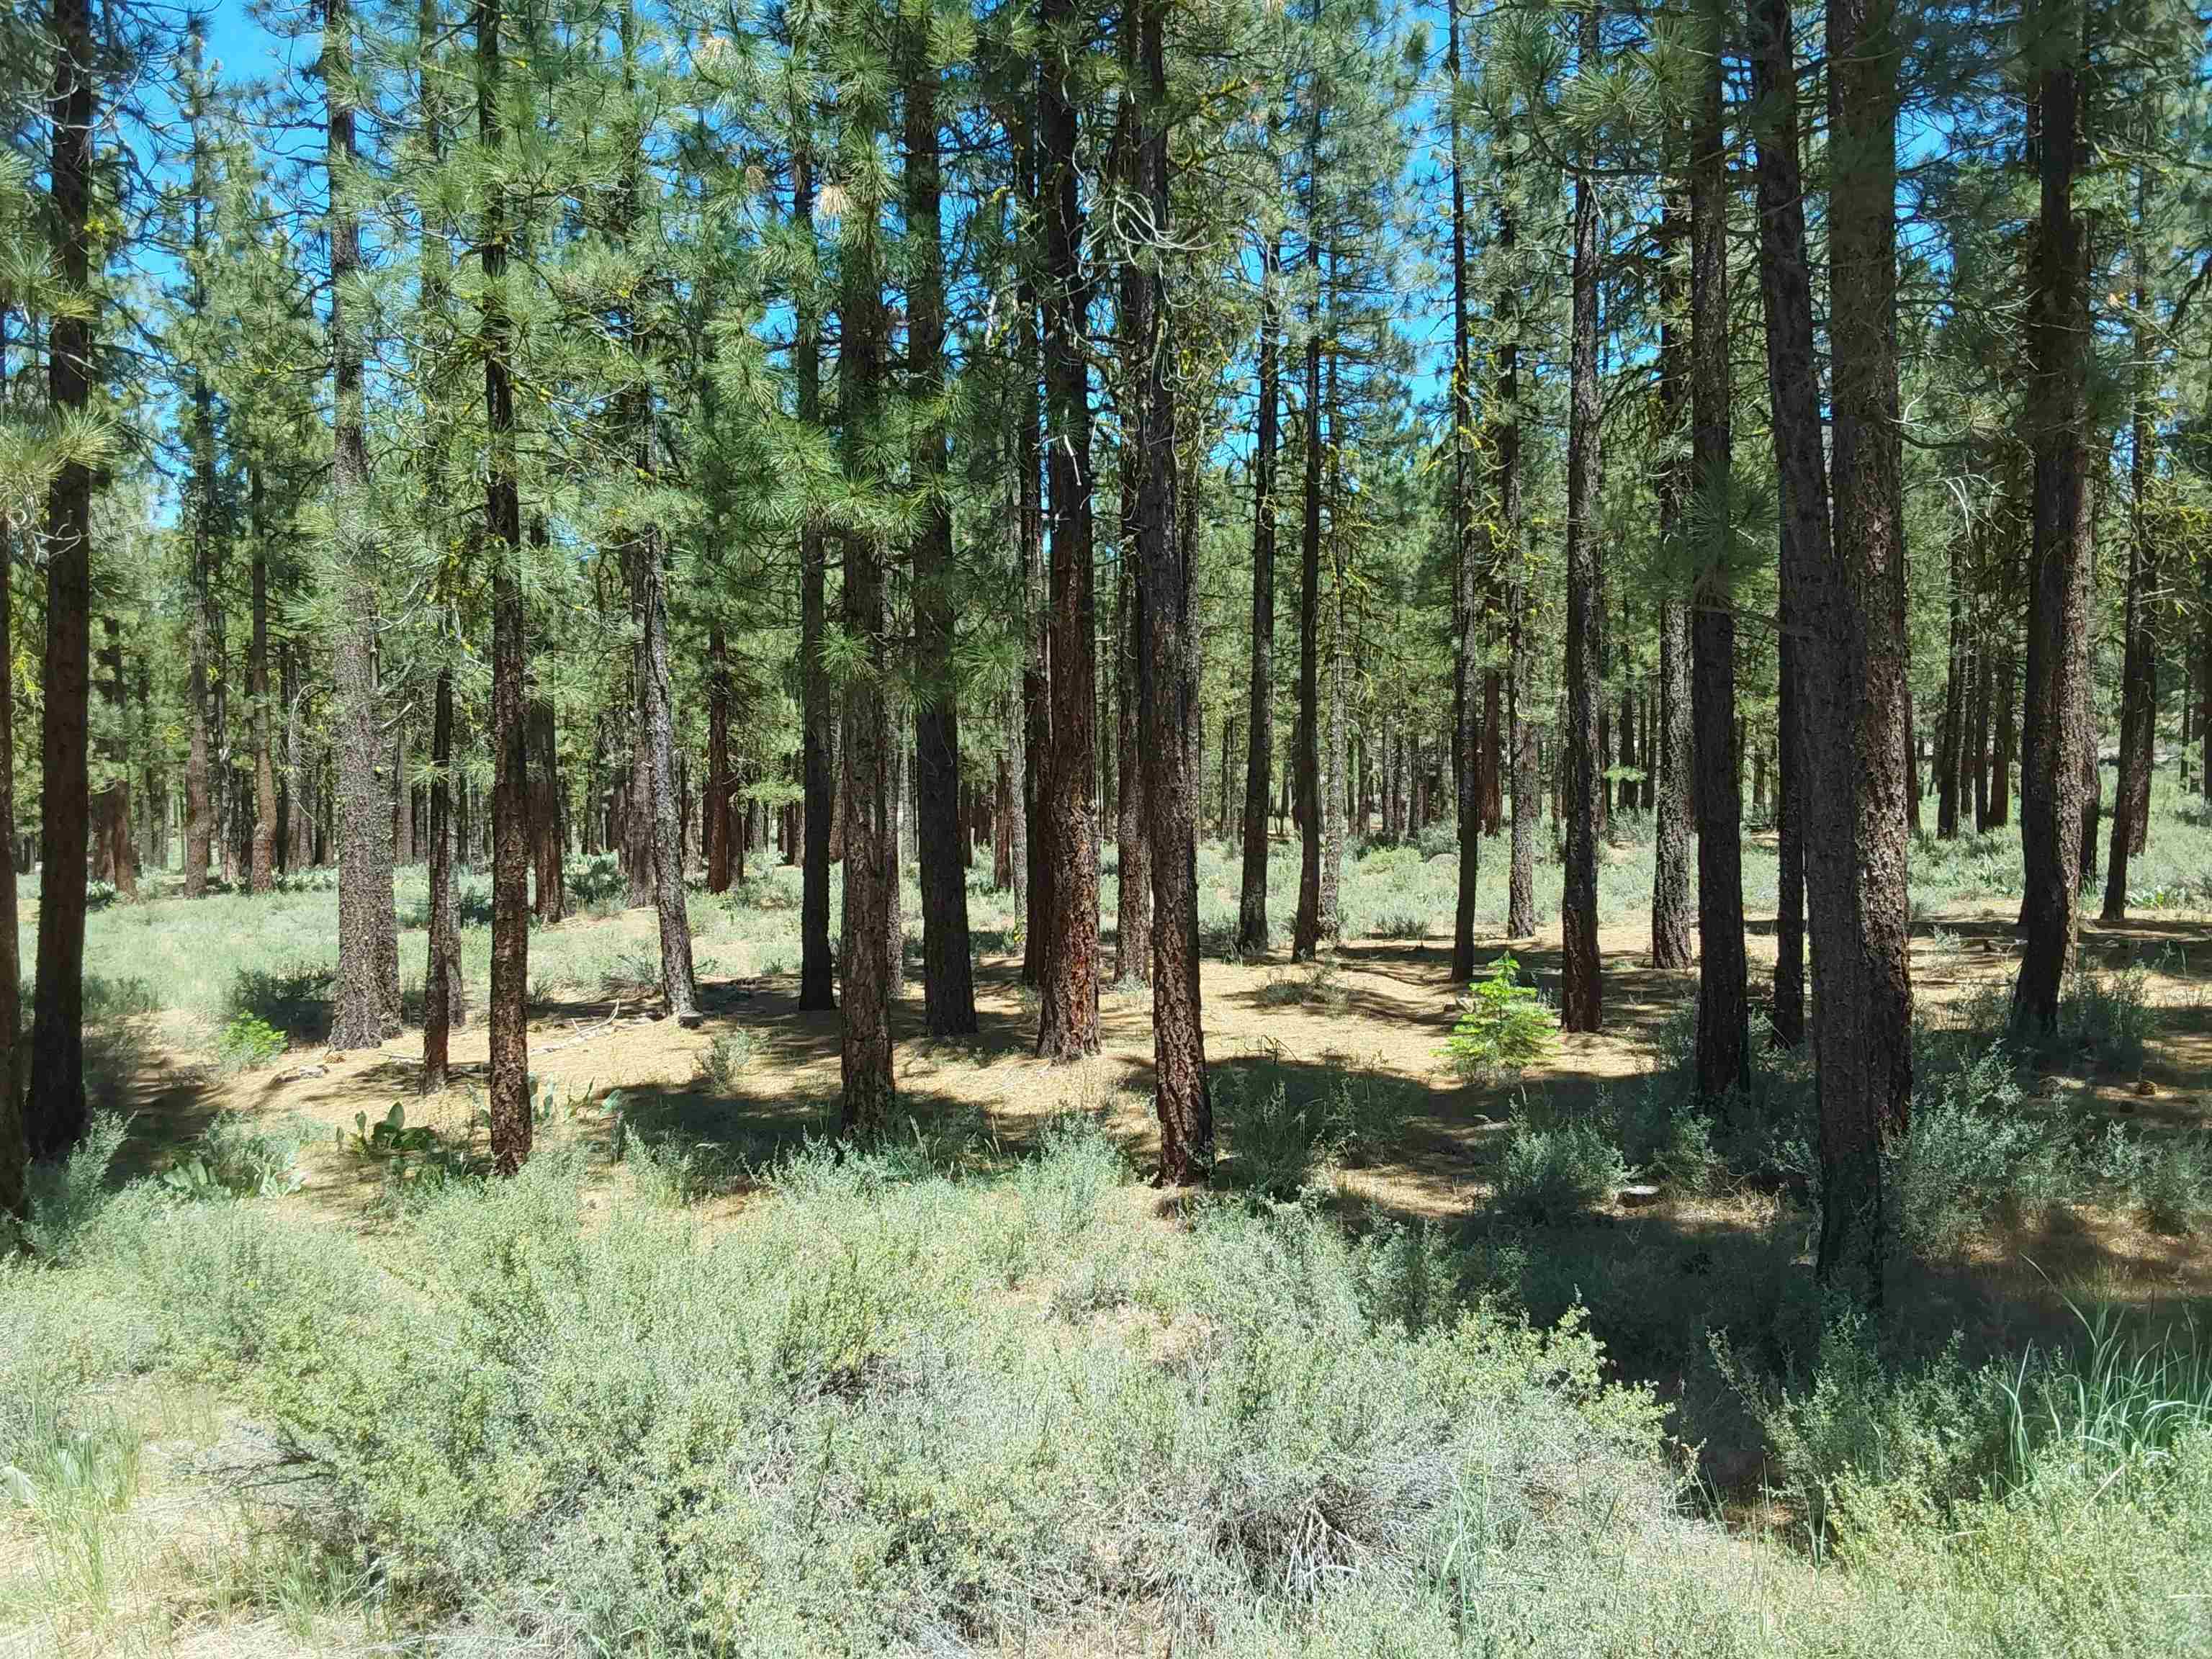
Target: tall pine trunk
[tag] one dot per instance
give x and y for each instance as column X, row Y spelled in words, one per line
column 1581, row 991
column 1672, row 909
column 442, row 1000
column 2139, row 671
column 1723, row 1050
column 865, row 956
column 817, row 972
column 368, row 936
column 1471, row 735
column 1855, row 840
column 1260, row 697
column 54, row 1114
column 2051, row 792
column 263, row 876
column 1068, row 1025
column 508, row 1092
column 720, row 789
column 1794, row 401
column 948, row 975
column 1168, row 706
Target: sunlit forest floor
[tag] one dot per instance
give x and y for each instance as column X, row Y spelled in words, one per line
column 1445, row 1359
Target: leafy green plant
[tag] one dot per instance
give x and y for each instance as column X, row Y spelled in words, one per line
column 1503, row 1026
column 1555, row 1172
column 246, row 1040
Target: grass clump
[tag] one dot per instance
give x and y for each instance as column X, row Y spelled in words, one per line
column 1285, row 1135
column 725, row 1059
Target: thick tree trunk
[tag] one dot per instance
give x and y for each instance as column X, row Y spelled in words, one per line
column 1168, row 710
column 948, row 975
column 1067, row 1025
column 443, row 1002
column 1260, row 696
column 508, row 1094
column 1723, row 1051
column 1581, row 991
column 2058, row 639
column 1856, row 842
column 54, row 1115
column 368, row 935
column 865, row 952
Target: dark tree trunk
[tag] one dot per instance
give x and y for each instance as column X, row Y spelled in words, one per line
column 442, row 998
column 817, row 972
column 1671, row 904
column 199, row 811
column 2058, row 636
column 2006, row 670
column 1133, row 903
column 1168, row 627
column 552, row 899
column 718, row 789
column 1521, row 595
column 368, row 933
column 1947, row 740
column 263, row 876
column 14, row 1153
column 1723, row 1052
column 1259, row 701
column 1305, row 937
column 1067, row 1025
column 508, row 1094
column 1581, row 991
column 1856, row 842
column 948, row 975
column 1793, row 382
column 870, row 866
column 54, row 1115
column 2139, row 670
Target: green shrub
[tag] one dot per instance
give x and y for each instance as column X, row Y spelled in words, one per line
column 240, row 1157
column 2168, row 1178
column 1503, row 1026
column 1316, row 987
column 295, row 1001
column 1280, row 1140
column 67, row 1196
column 247, row 1041
column 1976, row 1150
column 1664, row 1133
column 1556, row 1172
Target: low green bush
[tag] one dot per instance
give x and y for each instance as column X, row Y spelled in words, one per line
column 247, row 1041
column 1556, row 1172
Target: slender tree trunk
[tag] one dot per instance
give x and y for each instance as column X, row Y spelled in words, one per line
column 263, row 876
column 1671, row 904
column 54, row 1114
column 2006, row 670
column 14, row 1152
column 1723, row 1051
column 1855, row 840
column 2139, row 671
column 1794, row 399
column 551, row 904
column 719, row 786
column 948, row 974
column 678, row 979
column 1260, row 700
column 2050, row 783
column 442, row 998
column 1168, row 709
column 1133, row 905
column 1948, row 743
column 1067, row 1025
column 508, row 1094
column 817, row 972
column 368, row 935
column 1471, row 734
column 1581, row 991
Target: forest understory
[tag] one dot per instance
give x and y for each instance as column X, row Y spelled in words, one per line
column 1444, row 1358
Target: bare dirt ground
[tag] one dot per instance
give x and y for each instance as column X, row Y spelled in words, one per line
column 1384, row 1012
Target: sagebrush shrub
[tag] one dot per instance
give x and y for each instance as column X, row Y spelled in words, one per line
column 1553, row 1172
